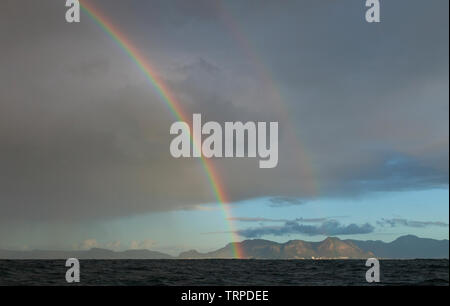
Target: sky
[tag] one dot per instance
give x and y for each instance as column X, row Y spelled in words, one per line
column 84, row 137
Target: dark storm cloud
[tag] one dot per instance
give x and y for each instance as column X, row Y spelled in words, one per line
column 91, row 67
column 328, row 228
column 410, row 223
column 84, row 135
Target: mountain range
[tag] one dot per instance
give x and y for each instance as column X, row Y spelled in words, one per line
column 403, row 247
column 331, row 248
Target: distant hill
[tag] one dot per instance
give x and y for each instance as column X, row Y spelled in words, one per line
column 94, row 253
column 409, row 246
column 331, row 248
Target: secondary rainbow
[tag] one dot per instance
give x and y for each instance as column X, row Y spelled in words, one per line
column 237, row 32
column 172, row 104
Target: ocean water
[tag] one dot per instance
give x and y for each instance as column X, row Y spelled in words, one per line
column 219, row 272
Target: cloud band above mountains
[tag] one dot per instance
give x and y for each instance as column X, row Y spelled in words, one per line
column 327, row 228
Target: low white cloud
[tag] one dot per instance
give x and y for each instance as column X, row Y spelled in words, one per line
column 88, row 244
column 142, row 244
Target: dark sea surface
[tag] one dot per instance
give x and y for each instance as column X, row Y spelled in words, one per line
column 225, row 272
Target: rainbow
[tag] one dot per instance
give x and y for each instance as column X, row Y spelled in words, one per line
column 172, row 104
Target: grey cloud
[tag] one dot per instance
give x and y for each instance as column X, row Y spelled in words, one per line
column 285, row 201
column 410, row 223
column 91, row 67
column 200, row 67
column 328, row 228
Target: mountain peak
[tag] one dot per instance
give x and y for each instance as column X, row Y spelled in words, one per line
column 407, row 237
column 332, row 239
